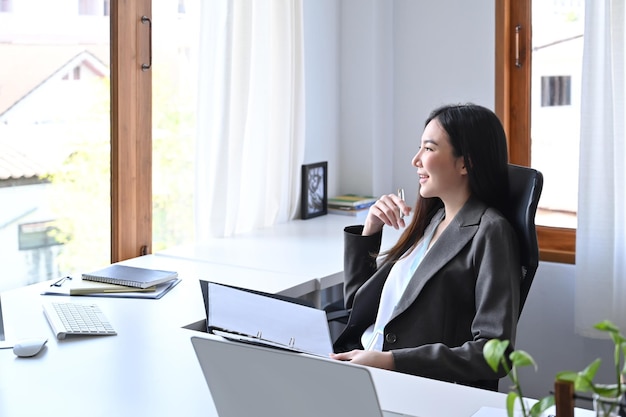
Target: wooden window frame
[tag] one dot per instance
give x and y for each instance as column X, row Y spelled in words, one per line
column 131, row 130
column 513, row 106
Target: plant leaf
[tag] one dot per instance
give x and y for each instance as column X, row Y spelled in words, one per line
column 605, row 390
column 580, row 380
column 493, row 352
column 590, row 371
column 521, row 358
column 606, row 326
column 510, row 403
column 542, row 405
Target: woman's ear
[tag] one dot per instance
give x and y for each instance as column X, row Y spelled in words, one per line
column 462, row 165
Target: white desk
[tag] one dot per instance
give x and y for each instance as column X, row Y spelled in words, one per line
column 150, row 368
column 312, row 247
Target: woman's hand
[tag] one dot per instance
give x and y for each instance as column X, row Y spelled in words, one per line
column 383, row 360
column 386, row 211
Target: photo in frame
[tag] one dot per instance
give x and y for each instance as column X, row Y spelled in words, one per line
column 314, row 197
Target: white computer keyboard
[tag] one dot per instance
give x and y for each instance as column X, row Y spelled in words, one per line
column 77, row 319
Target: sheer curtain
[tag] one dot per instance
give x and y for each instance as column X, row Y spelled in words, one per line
column 250, row 115
column 601, row 234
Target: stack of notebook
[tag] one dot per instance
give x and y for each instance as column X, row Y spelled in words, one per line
column 117, row 281
column 350, row 204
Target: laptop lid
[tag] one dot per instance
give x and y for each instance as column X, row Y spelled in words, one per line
column 248, row 380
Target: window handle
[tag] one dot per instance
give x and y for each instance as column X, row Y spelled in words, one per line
column 518, row 63
column 146, row 19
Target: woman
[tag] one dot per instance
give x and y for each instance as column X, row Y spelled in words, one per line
column 452, row 280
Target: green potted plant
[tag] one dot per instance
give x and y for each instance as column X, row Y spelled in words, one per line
column 607, row 398
column 494, row 353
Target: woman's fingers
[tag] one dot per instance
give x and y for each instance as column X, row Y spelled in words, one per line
column 388, row 210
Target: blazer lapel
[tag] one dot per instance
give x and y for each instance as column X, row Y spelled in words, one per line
column 450, row 243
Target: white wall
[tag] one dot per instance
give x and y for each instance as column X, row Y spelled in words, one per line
column 367, row 73
column 321, row 67
column 439, row 58
column 377, row 68
column 546, row 331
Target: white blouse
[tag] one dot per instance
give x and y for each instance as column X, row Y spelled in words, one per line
column 399, row 277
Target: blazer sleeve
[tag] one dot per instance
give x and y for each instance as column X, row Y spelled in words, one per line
column 493, row 259
column 359, row 261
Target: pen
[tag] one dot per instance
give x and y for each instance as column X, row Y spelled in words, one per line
column 60, row 282
column 401, row 197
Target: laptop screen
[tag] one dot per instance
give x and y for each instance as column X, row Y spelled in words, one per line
column 1, row 321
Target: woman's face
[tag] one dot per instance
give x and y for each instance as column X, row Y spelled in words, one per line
column 441, row 174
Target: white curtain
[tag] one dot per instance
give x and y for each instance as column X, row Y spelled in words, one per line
column 601, row 234
column 250, row 115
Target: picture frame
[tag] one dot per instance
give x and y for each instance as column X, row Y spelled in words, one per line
column 314, row 197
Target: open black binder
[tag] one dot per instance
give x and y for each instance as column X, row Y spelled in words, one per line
column 265, row 319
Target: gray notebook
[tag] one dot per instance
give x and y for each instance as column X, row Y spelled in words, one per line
column 249, row 380
column 130, row 276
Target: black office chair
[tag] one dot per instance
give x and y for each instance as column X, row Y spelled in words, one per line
column 525, row 186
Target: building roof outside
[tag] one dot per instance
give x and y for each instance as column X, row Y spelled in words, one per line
column 17, row 167
column 26, row 68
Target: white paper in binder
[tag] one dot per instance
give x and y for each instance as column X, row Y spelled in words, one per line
column 262, row 319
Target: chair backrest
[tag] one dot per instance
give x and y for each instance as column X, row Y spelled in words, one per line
column 525, row 186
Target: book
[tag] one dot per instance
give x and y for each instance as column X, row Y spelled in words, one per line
column 130, row 276
column 352, row 201
column 85, row 287
column 348, row 211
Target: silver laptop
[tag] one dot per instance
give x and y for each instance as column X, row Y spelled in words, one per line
column 1, row 321
column 251, row 380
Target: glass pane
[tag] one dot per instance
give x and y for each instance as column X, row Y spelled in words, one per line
column 557, row 46
column 54, row 139
column 174, row 74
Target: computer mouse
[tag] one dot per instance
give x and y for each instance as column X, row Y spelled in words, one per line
column 29, row 347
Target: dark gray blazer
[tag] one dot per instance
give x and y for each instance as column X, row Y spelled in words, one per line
column 465, row 292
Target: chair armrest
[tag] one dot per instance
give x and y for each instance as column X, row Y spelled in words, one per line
column 337, row 315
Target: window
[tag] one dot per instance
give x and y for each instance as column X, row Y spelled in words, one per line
column 154, row 106
column 6, row 5
column 73, row 74
column 174, row 74
column 556, row 90
column 108, row 223
column 38, row 235
column 538, row 100
column 54, row 141
column 88, row 7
